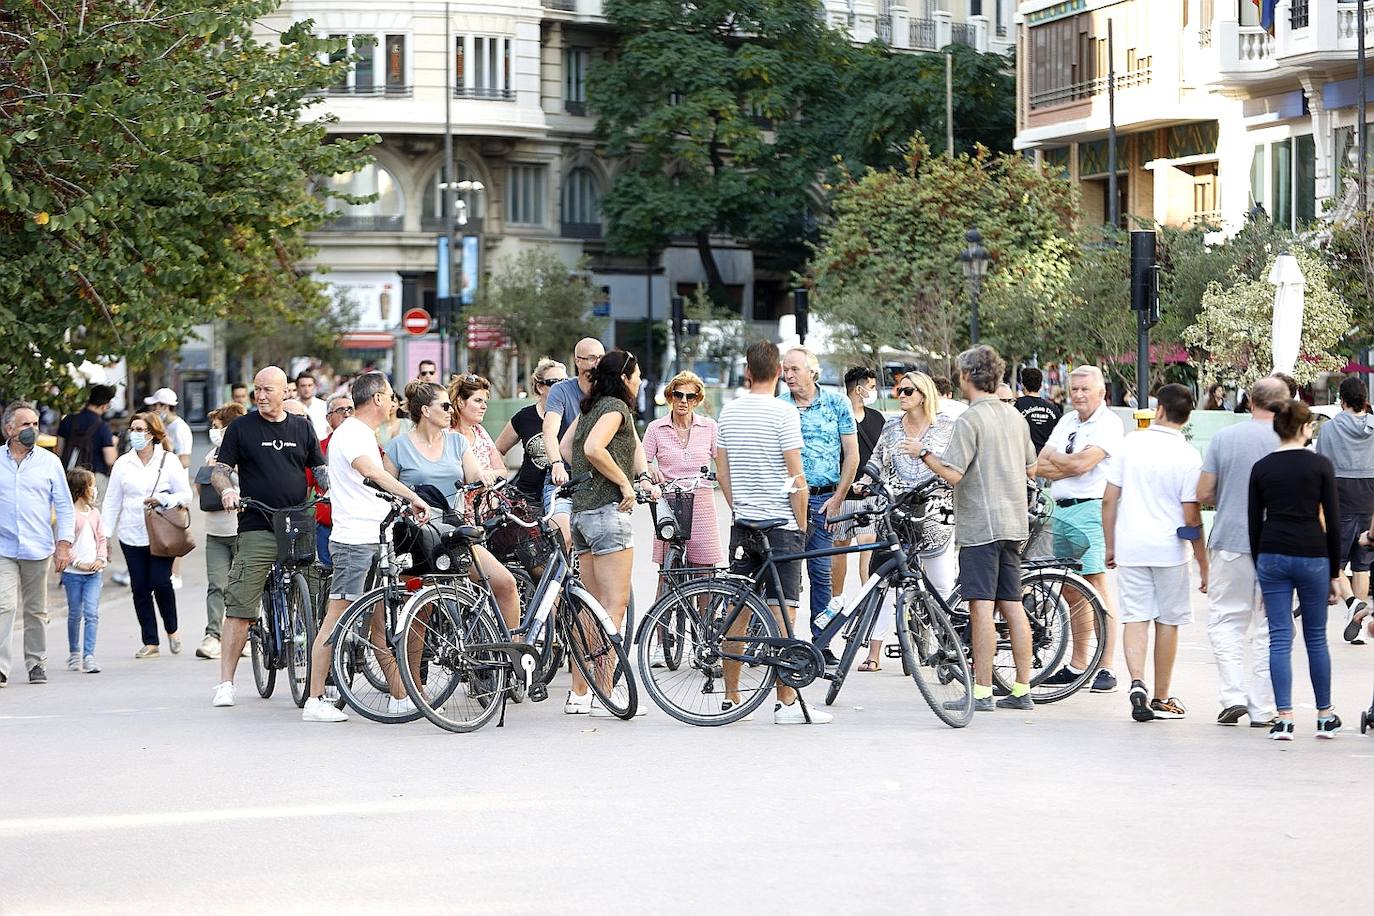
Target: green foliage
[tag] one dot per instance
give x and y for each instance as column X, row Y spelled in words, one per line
column 154, row 174
column 1351, row 253
column 1233, row 326
column 886, row 271
column 724, row 335
column 544, row 304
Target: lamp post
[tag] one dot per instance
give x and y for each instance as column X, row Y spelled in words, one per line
column 455, row 213
column 974, row 259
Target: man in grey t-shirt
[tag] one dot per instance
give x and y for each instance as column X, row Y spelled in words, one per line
column 1236, row 617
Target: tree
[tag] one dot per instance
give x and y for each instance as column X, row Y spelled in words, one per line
column 155, row 163
column 544, row 304
column 886, row 271
column 1233, row 326
column 723, row 335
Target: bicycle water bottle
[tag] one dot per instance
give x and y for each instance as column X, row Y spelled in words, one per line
column 832, row 610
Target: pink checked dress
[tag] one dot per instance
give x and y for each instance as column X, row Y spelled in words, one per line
column 661, row 443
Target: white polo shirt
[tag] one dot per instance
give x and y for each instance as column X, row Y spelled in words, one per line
column 1157, row 471
column 1105, row 431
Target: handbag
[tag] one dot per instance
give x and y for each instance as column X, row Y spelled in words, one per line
column 210, row 500
column 169, row 530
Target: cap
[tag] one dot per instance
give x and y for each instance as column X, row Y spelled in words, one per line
column 163, row 396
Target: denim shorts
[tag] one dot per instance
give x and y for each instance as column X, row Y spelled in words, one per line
column 352, row 563
column 602, row 530
column 554, row 504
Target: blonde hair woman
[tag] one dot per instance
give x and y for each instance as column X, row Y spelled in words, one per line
column 680, row 445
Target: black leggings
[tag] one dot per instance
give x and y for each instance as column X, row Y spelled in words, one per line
column 151, row 577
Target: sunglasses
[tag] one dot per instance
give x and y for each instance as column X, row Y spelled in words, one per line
column 905, row 391
column 548, row 382
column 443, row 405
column 347, row 410
column 684, row 395
column 1068, row 446
column 429, row 372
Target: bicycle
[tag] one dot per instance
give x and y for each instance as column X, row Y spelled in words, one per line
column 672, row 517
column 562, row 605
column 730, row 629
column 283, row 634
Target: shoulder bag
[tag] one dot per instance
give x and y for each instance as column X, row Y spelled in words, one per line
column 169, row 530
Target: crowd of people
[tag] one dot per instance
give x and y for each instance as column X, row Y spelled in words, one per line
column 1289, row 520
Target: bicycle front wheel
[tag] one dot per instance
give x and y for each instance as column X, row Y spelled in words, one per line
column 300, row 638
column 362, row 657
column 600, row 656
column 724, row 675
column 934, row 654
column 457, row 687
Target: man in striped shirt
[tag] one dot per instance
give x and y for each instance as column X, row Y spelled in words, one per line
column 759, row 466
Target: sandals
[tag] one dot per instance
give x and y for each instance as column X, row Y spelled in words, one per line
column 871, row 664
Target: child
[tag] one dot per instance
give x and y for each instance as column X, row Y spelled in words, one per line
column 82, row 579
column 1150, row 513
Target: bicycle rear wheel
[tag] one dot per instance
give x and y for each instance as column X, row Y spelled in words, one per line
column 459, row 688
column 934, row 654
column 362, row 656
column 1068, row 624
column 300, row 639
column 600, row 656
column 697, row 691
column 259, row 646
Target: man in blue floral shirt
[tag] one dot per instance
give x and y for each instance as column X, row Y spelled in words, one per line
column 830, row 459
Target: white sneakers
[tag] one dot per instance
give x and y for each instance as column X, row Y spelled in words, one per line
column 402, row 707
column 578, row 704
column 656, row 657
column 317, row 710
column 74, row 661
column 224, row 694
column 601, row 712
column 174, row 641
column 792, row 715
column 209, row 648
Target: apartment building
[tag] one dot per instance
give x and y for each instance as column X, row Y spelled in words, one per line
column 1215, row 115
column 522, row 128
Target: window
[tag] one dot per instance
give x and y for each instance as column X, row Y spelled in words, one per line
column 525, row 194
column 1248, row 13
column 575, row 62
column 975, row 7
column 1062, row 61
column 581, row 202
column 362, row 78
column 1257, row 177
column 387, row 211
column 1305, row 180
column 482, row 67
column 1000, row 10
column 1281, row 170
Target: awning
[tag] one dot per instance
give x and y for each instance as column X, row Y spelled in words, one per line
column 367, row 340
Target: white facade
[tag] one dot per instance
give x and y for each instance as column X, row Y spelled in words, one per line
column 1214, row 115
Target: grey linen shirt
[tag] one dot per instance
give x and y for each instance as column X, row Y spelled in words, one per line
column 991, row 446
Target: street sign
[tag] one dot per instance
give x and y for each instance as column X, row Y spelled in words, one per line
column 416, row 322
column 485, row 333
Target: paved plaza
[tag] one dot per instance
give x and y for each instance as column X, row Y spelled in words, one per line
column 127, row 792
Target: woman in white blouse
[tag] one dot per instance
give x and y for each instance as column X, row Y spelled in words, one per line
column 146, row 475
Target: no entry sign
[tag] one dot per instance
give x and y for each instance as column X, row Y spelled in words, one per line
column 416, row 322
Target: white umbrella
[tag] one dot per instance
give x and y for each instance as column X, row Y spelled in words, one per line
column 1289, row 285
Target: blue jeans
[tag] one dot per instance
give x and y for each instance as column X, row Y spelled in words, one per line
column 83, row 606
column 818, row 537
column 322, row 533
column 1279, row 576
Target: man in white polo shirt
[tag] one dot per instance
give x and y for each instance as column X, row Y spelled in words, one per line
column 1073, row 459
column 1151, row 517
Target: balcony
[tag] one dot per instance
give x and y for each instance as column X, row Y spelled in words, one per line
column 885, row 28
column 435, row 224
column 963, row 33
column 923, row 35
column 365, row 224
column 566, row 6
column 1305, row 34
column 1086, row 89
column 584, row 231
column 364, row 92
column 482, row 92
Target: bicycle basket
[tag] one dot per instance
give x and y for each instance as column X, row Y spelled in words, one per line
column 1054, row 538
column 679, row 504
column 509, row 541
column 295, row 533
column 931, row 537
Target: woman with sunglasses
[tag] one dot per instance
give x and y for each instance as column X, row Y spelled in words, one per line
column 527, row 429
column 680, row 445
column 897, row 453
column 605, row 445
column 431, row 454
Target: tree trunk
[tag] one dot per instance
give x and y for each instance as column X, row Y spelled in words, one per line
column 715, row 284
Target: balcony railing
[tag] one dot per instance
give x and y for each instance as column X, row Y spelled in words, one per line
column 347, row 223
column 963, row 33
column 579, row 230
column 390, row 92
column 482, row 92
column 885, row 28
column 567, row 6
column 436, row 224
column 1348, row 24
column 1088, row 88
column 923, row 34
column 1298, row 16
column 1254, row 45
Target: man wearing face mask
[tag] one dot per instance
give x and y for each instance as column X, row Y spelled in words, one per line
column 861, row 385
column 33, row 489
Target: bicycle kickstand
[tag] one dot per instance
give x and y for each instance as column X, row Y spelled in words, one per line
column 806, row 710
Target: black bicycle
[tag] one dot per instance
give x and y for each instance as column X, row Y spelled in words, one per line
column 284, row 632
column 672, row 517
column 736, row 654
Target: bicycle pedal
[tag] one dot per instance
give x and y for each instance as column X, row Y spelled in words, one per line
column 538, row 693
column 892, row 651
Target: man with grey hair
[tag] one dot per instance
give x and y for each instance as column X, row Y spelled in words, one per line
column 338, row 408
column 1236, row 619
column 988, row 461
column 1074, row 460
column 33, row 490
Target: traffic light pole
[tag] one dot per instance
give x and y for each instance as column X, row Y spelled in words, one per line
column 1145, row 303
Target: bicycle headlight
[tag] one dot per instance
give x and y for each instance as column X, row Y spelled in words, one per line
column 443, row 562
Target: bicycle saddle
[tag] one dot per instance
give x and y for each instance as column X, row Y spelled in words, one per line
column 464, row 534
column 767, row 524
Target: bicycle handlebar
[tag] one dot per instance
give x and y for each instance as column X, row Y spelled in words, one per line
column 247, row 502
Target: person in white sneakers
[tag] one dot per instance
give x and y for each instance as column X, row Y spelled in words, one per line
column 164, row 403
column 1150, row 514
column 1348, row 440
column 354, row 459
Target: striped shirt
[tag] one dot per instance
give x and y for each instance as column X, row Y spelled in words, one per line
column 754, row 431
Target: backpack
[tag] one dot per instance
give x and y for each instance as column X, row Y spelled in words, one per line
column 78, row 449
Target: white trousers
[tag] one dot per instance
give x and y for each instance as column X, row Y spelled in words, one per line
column 942, row 570
column 1235, row 623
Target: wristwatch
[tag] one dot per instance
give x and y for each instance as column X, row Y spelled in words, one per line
column 921, row 455
column 557, row 461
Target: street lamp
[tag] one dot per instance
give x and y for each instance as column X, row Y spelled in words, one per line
column 974, row 259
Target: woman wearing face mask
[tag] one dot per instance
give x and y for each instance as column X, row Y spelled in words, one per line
column 146, row 475
column 221, row 535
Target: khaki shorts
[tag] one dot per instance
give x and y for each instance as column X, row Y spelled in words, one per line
column 257, row 554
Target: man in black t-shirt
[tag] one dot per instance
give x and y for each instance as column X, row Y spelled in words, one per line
column 1041, row 415
column 84, row 438
column 271, row 449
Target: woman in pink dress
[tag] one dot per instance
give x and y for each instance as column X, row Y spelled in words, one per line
column 680, row 445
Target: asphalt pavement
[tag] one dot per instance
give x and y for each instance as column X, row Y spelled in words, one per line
column 126, row 792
